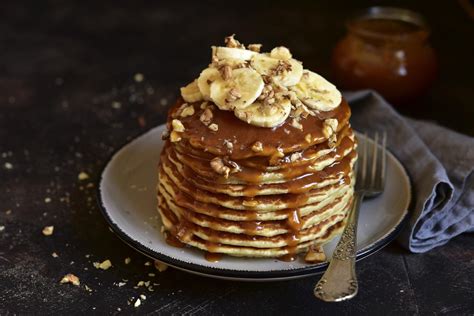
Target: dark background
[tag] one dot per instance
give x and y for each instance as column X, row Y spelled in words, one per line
column 62, row 67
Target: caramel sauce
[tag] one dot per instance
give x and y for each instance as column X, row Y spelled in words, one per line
column 294, row 221
column 292, row 200
column 196, row 205
column 213, row 257
column 173, row 241
column 301, row 184
column 230, row 128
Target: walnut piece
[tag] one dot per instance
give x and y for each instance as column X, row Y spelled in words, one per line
column 70, row 278
column 228, row 144
column 187, row 111
column 332, row 141
column 255, row 47
column 160, row 266
column 295, row 156
column 282, row 67
column 217, row 164
column 234, row 166
column 177, row 126
column 257, row 147
column 308, row 138
column 315, row 254
column 230, row 41
column 233, row 95
column 213, row 127
column 225, row 71
column 296, row 124
column 48, row 230
column 206, row 116
column 332, row 123
column 175, row 137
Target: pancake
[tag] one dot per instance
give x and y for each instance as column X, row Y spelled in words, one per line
column 258, row 162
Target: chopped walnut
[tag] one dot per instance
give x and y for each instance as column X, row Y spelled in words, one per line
column 296, row 124
column 104, row 265
column 230, row 41
column 280, row 153
column 255, row 47
column 332, row 141
column 295, row 156
column 160, row 266
column 300, row 110
column 228, row 144
column 48, row 230
column 206, row 117
column 257, row 147
column 175, row 137
column 332, row 123
column 281, row 53
column 217, row 164
column 315, row 254
column 266, row 79
column 70, row 278
column 213, row 127
column 282, row 67
column 177, row 126
column 308, row 138
column 179, row 110
column 266, row 92
column 233, row 95
column 204, row 105
column 82, row 176
column 187, row 111
column 225, row 71
column 269, row 101
column 234, row 166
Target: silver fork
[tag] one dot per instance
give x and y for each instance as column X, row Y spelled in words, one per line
column 339, row 282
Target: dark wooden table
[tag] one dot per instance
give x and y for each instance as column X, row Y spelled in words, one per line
column 64, row 67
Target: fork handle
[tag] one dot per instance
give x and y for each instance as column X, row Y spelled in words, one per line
column 339, row 282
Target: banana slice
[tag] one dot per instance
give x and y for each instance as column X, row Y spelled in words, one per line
column 207, row 76
column 232, row 53
column 278, row 69
column 265, row 115
column 317, row 93
column 238, row 92
column 191, row 92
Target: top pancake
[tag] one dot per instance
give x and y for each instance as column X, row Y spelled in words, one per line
column 284, row 138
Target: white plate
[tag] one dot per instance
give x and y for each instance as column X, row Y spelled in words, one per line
column 127, row 198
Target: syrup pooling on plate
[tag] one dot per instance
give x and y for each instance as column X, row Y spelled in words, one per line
column 259, row 158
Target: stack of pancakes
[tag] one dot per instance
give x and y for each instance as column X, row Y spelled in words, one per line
column 245, row 190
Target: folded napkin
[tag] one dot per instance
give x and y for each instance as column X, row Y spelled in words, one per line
column 440, row 163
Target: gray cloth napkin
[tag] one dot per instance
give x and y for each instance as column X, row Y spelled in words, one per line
column 440, row 163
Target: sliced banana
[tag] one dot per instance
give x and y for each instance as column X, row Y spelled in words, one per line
column 191, row 93
column 207, row 76
column 265, row 115
column 232, row 53
column 238, row 92
column 317, row 93
column 269, row 66
column 280, row 52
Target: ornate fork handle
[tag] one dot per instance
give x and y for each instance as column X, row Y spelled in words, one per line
column 339, row 282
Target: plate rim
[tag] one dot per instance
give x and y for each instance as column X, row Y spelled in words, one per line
column 239, row 274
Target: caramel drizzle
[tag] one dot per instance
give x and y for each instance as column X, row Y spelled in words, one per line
column 197, row 178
